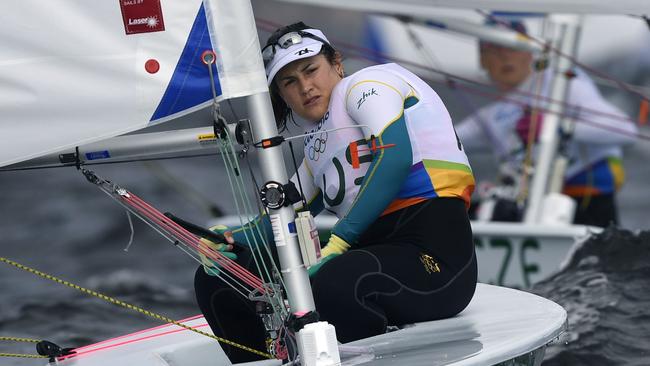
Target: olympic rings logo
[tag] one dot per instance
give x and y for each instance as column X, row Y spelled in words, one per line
column 318, row 147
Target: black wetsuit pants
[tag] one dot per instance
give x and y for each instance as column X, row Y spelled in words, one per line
column 412, row 265
column 597, row 210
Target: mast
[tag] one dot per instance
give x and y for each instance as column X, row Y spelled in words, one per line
column 316, row 341
column 274, row 169
column 568, row 38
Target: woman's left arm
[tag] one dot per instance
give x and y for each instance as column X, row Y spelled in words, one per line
column 600, row 122
column 378, row 99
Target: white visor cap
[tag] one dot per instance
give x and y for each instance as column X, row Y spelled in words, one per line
column 283, row 56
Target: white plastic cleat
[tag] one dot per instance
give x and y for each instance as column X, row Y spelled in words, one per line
column 558, row 209
column 317, row 345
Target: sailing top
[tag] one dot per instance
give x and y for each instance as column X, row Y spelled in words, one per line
column 386, row 142
column 594, row 149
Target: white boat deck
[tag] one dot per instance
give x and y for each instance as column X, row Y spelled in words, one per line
column 498, row 325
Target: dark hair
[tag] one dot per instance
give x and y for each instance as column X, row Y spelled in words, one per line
column 281, row 110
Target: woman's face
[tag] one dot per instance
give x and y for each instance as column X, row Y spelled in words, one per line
column 306, row 85
column 506, row 67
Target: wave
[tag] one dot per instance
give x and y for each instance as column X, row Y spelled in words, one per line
column 130, row 283
column 80, row 319
column 605, row 288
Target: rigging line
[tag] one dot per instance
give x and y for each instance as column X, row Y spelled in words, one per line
column 501, row 152
column 130, row 306
column 223, row 275
column 611, row 84
column 128, row 246
column 260, row 206
column 362, row 53
column 230, row 160
column 246, row 200
column 121, row 203
column 276, row 301
column 209, row 60
column 295, row 166
column 574, row 60
column 224, row 262
column 262, row 210
column 157, row 226
column 193, row 241
column 295, row 137
column 66, row 165
column 238, row 194
column 226, row 278
column 495, row 95
column 184, row 188
column 279, row 304
column 582, row 120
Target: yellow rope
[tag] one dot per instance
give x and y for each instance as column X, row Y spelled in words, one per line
column 131, row 307
column 16, row 339
column 20, row 355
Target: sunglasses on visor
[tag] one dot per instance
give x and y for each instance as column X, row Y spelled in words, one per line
column 285, row 41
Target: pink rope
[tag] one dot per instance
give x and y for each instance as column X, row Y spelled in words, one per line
column 193, row 241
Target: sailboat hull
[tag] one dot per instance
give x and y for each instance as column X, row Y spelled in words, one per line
column 519, row 255
column 499, row 324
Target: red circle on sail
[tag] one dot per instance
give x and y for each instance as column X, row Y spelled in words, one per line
column 208, row 57
column 152, row 66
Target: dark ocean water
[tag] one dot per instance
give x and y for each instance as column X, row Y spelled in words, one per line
column 55, row 221
column 605, row 289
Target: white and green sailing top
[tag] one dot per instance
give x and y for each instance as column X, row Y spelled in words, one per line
column 594, row 151
column 404, row 151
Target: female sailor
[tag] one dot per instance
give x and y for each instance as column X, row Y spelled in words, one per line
column 594, row 148
column 395, row 175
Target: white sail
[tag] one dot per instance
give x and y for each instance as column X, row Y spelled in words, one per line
column 423, row 8
column 71, row 74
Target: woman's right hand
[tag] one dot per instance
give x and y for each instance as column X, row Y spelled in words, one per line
column 210, row 266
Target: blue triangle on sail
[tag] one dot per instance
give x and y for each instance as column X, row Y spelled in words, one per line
column 190, row 82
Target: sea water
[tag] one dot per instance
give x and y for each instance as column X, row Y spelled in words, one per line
column 56, row 222
column 605, row 289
